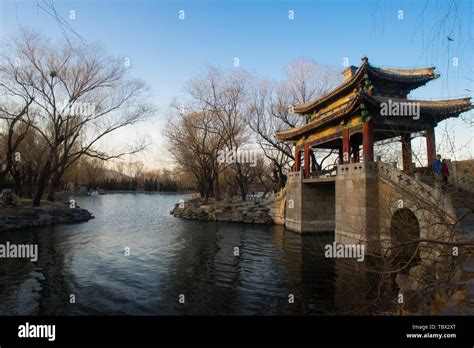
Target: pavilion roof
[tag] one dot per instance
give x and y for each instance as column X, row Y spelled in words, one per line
column 440, row 108
column 407, row 78
column 446, row 107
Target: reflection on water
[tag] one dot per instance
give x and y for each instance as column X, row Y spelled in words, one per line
column 169, row 257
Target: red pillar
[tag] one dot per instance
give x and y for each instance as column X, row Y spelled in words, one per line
column 340, row 155
column 345, row 146
column 430, row 145
column 368, row 141
column 306, row 160
column 406, row 151
column 297, row 159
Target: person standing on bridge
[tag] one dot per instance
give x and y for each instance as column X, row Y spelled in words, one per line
column 437, row 167
column 445, row 171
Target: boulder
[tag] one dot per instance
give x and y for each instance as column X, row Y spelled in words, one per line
column 9, row 198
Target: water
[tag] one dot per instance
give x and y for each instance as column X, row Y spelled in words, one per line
column 169, row 257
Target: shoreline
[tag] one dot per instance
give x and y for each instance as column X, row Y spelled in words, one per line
column 248, row 212
column 21, row 217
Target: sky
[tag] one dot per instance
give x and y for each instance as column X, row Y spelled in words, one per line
column 265, row 35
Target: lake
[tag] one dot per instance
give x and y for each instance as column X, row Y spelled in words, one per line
column 135, row 258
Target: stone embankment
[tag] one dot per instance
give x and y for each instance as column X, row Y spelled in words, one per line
column 26, row 217
column 226, row 211
column 16, row 214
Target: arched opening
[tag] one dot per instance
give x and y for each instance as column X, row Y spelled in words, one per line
column 405, row 235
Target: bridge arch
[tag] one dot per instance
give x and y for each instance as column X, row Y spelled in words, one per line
column 405, row 232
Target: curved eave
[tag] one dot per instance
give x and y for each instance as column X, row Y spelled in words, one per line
column 296, row 133
column 410, row 77
column 349, row 84
column 447, row 107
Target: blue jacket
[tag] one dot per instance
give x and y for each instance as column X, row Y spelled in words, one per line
column 437, row 167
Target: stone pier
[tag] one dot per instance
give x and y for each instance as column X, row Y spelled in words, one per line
column 310, row 207
column 357, row 205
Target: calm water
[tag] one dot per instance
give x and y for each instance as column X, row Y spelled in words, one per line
column 169, row 257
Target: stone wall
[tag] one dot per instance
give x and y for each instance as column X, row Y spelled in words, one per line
column 276, row 205
column 461, row 176
column 226, row 211
column 310, row 207
column 357, row 205
column 432, row 206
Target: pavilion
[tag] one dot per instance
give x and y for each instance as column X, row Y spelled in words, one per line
column 371, row 105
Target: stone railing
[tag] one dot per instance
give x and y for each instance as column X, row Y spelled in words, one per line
column 274, row 196
column 431, row 195
column 295, row 174
column 269, row 197
column 461, row 179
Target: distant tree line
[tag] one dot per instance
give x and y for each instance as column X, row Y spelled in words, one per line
column 132, row 184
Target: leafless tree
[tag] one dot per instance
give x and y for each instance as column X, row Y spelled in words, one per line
column 270, row 109
column 15, row 132
column 79, row 95
column 223, row 96
column 195, row 146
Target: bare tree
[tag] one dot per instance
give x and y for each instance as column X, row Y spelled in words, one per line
column 79, row 95
column 223, row 95
column 270, row 109
column 309, row 80
column 194, row 146
column 15, row 133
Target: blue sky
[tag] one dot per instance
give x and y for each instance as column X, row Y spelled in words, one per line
column 166, row 51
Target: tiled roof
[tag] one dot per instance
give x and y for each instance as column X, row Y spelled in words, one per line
column 444, row 108
column 416, row 77
column 441, row 107
column 330, row 115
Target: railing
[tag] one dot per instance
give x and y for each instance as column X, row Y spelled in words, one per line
column 260, row 197
column 329, row 171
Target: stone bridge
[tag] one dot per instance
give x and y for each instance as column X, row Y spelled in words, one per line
column 370, row 203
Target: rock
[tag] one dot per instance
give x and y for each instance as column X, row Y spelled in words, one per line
column 406, row 283
column 412, row 301
column 41, row 216
column 459, row 296
column 9, row 198
column 226, row 211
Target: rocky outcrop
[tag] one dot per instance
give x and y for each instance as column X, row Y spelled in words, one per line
column 227, row 211
column 25, row 217
column 9, row 198
column 275, row 202
column 441, row 288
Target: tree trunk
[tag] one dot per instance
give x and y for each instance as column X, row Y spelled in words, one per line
column 281, row 179
column 52, row 188
column 240, row 180
column 29, row 180
column 217, row 189
column 42, row 181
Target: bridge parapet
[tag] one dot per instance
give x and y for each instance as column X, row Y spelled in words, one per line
column 430, row 204
column 416, row 190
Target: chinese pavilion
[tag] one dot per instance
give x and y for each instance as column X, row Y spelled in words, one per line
column 369, row 106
